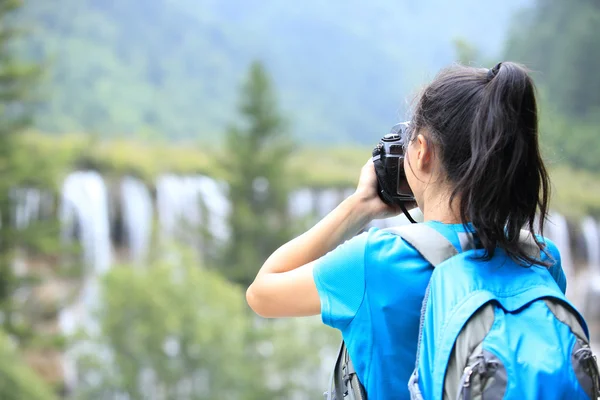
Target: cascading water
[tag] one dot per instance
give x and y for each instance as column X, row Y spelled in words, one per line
column 30, row 204
column 327, row 200
column 213, row 195
column 591, row 235
column 84, row 214
column 301, row 203
column 180, row 202
column 137, row 212
column 177, row 200
column 557, row 230
column 85, row 207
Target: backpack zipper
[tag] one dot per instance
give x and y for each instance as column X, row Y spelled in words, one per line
column 421, row 324
column 483, row 367
column 464, row 389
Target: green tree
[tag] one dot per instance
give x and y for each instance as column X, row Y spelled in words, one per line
column 21, row 170
column 256, row 155
column 17, row 381
column 559, row 42
column 179, row 331
column 466, row 52
column 15, row 86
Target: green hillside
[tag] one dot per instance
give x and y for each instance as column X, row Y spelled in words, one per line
column 344, row 70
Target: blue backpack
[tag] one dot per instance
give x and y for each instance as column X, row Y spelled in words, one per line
column 489, row 330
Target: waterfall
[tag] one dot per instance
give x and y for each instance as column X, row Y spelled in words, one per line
column 591, row 235
column 301, row 203
column 557, row 230
column 327, row 200
column 84, row 215
column 214, row 198
column 137, row 212
column 177, row 202
column 30, row 204
column 180, row 202
column 84, row 210
column 85, row 207
column 304, row 202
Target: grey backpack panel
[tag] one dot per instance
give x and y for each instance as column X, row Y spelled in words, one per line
column 468, row 345
column 583, row 361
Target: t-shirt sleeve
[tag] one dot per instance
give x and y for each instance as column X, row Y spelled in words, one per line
column 556, row 269
column 340, row 279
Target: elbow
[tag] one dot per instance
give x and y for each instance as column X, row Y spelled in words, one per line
column 256, row 301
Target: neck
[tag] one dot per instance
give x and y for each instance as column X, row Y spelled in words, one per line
column 437, row 208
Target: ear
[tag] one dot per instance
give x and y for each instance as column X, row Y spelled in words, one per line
column 424, row 153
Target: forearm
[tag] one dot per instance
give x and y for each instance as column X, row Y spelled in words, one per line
column 338, row 226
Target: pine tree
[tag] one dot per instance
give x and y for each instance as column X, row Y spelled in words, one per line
column 257, row 151
column 17, row 170
column 15, row 80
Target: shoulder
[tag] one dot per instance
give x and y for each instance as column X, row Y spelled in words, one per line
column 550, row 251
column 552, row 254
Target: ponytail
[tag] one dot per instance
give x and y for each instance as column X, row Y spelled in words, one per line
column 486, row 124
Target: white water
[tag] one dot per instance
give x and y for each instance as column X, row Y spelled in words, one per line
column 591, row 235
column 30, row 204
column 180, row 202
column 301, row 203
column 84, row 211
column 216, row 202
column 84, row 208
column 177, row 203
column 327, row 200
column 557, row 230
column 137, row 213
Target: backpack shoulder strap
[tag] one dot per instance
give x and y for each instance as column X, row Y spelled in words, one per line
column 432, row 245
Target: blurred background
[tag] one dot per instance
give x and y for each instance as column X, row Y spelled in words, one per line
column 154, row 153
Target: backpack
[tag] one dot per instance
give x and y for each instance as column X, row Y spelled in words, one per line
column 489, row 330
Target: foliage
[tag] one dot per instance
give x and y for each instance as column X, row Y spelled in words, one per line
column 177, row 330
column 559, row 42
column 18, row 170
column 23, row 173
column 256, row 164
column 17, row 381
column 172, row 67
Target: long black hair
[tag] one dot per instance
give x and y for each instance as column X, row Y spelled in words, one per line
column 485, row 124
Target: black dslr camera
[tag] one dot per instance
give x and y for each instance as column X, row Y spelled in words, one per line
column 388, row 158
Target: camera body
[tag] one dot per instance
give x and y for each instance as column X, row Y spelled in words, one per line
column 388, row 158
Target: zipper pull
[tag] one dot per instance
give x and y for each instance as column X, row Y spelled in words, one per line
column 468, row 371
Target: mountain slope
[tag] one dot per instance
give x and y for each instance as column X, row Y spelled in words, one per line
column 344, row 70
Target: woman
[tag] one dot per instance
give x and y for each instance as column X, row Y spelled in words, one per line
column 473, row 164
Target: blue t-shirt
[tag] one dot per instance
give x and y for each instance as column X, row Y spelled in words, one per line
column 371, row 289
